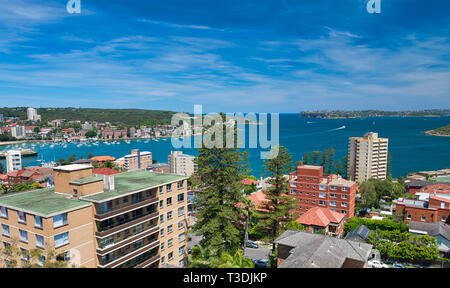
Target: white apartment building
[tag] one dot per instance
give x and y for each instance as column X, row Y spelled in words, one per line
column 18, row 132
column 137, row 160
column 32, row 115
column 13, row 160
column 181, row 164
column 368, row 156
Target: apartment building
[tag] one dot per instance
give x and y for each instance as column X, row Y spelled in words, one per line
column 433, row 208
column 18, row 132
column 137, row 160
column 368, row 156
column 181, row 164
column 132, row 219
column 13, row 160
column 312, row 188
column 32, row 115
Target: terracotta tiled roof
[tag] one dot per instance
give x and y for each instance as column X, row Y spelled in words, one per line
column 103, row 158
column 258, row 199
column 442, row 199
column 248, row 181
column 319, row 216
column 105, row 171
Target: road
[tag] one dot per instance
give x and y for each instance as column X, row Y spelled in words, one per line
column 257, row 253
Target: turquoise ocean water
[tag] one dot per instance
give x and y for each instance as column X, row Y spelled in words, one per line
column 410, row 148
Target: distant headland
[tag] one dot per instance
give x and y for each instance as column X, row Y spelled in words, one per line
column 338, row 114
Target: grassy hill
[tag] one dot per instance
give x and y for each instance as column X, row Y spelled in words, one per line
column 128, row 117
column 443, row 130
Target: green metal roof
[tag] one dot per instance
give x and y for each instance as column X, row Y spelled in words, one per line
column 42, row 202
column 128, row 182
column 86, row 180
column 442, row 179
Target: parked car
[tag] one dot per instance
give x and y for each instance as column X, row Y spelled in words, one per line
column 376, row 264
column 397, row 265
column 252, row 244
column 261, row 263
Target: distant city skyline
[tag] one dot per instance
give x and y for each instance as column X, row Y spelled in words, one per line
column 264, row 56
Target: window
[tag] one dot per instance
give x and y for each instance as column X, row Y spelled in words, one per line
column 4, row 212
column 180, row 184
column 423, row 218
column 161, row 204
column 39, row 241
column 162, row 232
column 22, row 217
column 160, row 189
column 344, row 188
column 169, row 215
column 333, row 195
column 169, row 229
column 106, row 242
column 169, row 201
column 149, row 193
column 181, row 224
column 322, row 195
column 344, row 196
column 75, row 193
column 323, row 187
column 138, row 229
column 169, row 187
column 59, row 220
column 343, row 212
column 61, row 239
column 125, row 199
column 181, row 263
column 5, row 230
column 23, row 236
column 25, row 256
column 64, row 256
column 139, row 244
column 117, row 202
column 343, row 204
column 321, row 202
column 41, row 260
column 181, row 250
column 170, row 242
column 332, row 203
column 408, row 216
column 161, row 218
column 162, row 246
column 135, row 198
column 293, row 192
column 163, row 259
column 443, row 218
column 170, row 256
column 181, row 237
column 38, row 222
column 180, row 211
column 180, row 197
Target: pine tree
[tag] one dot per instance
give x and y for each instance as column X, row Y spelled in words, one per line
column 280, row 203
column 219, row 189
column 324, row 160
column 306, row 158
column 330, row 160
column 345, row 164
column 315, row 157
column 340, row 170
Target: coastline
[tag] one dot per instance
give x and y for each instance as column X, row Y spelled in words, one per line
column 433, row 133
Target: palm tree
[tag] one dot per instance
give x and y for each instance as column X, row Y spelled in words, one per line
column 236, row 261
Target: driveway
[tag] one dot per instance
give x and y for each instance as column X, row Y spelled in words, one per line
column 257, row 253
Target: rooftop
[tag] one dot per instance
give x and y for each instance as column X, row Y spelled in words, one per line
column 72, row 167
column 86, row 180
column 129, row 182
column 105, row 171
column 321, row 251
column 319, row 216
column 42, row 202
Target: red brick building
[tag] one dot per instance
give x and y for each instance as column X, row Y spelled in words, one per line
column 320, row 219
column 436, row 209
column 313, row 189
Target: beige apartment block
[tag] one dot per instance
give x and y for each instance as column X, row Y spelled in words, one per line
column 137, row 160
column 181, row 164
column 133, row 219
column 368, row 157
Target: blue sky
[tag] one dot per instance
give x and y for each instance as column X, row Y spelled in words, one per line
column 230, row 56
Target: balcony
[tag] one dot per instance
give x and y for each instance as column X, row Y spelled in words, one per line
column 114, row 262
column 117, row 226
column 125, row 208
column 127, row 241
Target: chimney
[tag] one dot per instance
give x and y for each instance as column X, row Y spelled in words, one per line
column 108, row 182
